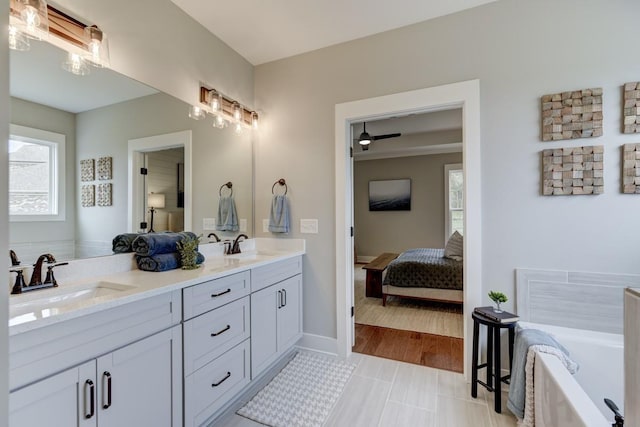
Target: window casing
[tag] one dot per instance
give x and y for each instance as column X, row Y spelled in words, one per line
column 453, row 199
column 36, row 175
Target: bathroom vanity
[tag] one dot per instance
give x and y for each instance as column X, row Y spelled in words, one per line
column 154, row 349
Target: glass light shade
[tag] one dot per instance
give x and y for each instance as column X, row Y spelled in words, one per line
column 238, row 112
column 17, row 39
column 97, row 47
column 197, row 113
column 33, row 18
column 254, row 120
column 219, row 122
column 156, row 200
column 215, row 101
column 75, row 64
column 238, row 128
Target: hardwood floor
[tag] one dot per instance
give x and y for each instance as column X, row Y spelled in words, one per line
column 435, row 351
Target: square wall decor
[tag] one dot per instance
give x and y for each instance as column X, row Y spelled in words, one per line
column 573, row 170
column 390, row 195
column 631, row 169
column 88, row 197
column 103, row 195
column 631, row 112
column 570, row 115
column 104, row 168
column 87, row 172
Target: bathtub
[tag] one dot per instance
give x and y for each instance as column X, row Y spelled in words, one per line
column 577, row 400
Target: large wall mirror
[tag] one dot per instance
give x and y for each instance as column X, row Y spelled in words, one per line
column 96, row 116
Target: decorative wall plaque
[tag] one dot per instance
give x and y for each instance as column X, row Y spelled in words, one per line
column 631, row 112
column 570, row 115
column 103, row 195
column 88, row 197
column 631, row 169
column 573, row 170
column 104, row 168
column 87, row 171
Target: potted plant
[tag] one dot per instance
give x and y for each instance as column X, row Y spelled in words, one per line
column 188, row 249
column 498, row 298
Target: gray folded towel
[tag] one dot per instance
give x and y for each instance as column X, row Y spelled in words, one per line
column 524, row 339
column 279, row 215
column 163, row 262
column 159, row 243
column 122, row 243
column 227, row 216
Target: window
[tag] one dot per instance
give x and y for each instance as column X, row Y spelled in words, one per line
column 36, row 175
column 454, row 199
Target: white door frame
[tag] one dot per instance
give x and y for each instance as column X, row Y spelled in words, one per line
column 136, row 150
column 465, row 95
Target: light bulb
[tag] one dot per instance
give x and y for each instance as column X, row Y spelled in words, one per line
column 197, row 113
column 215, row 100
column 75, row 64
column 237, row 112
column 17, row 40
column 97, row 47
column 254, row 120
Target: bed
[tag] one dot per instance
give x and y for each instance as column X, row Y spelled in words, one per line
column 424, row 273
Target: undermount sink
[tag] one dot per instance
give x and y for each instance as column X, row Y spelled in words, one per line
column 38, row 304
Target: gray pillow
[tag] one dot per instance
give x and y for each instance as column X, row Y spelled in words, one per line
column 454, row 247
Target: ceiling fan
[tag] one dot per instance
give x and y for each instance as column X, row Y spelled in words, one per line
column 365, row 139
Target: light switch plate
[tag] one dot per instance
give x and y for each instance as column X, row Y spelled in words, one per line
column 208, row 223
column 243, row 225
column 265, row 225
column 309, row 226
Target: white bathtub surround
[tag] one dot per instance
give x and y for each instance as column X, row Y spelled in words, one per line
column 573, row 299
column 631, row 357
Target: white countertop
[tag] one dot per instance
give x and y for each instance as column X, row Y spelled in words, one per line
column 26, row 313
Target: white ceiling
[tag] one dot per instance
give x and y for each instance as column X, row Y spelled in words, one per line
column 37, row 76
column 264, row 31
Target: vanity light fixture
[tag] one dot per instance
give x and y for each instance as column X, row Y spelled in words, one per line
column 224, row 110
column 97, row 47
column 31, row 18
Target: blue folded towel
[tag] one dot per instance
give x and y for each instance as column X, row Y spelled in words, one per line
column 159, row 243
column 524, row 339
column 227, row 215
column 279, row 215
column 163, row 262
column 122, row 243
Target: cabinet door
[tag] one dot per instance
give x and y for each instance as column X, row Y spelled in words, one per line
column 141, row 384
column 290, row 313
column 64, row 400
column 264, row 348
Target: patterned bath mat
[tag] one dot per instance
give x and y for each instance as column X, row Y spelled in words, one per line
column 302, row 394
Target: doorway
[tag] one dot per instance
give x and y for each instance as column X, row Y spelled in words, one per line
column 465, row 95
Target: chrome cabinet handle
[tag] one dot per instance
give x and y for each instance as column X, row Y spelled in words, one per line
column 215, row 334
column 222, row 380
column 106, row 375
column 92, row 406
column 221, row 293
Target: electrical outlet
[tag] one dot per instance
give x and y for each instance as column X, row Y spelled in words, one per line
column 265, row 225
column 309, row 226
column 208, row 223
column 243, row 225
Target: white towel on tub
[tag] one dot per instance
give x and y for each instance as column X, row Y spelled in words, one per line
column 529, row 402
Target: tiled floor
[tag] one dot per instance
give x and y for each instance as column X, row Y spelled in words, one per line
column 389, row 393
column 436, row 351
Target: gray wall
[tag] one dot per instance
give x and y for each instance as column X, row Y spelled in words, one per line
column 396, row 231
column 519, row 50
column 4, row 208
column 38, row 116
column 218, row 156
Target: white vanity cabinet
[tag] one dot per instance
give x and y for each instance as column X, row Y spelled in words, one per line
column 129, row 386
column 117, row 367
column 276, row 312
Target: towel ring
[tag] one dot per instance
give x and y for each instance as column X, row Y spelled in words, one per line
column 228, row 185
column 282, row 182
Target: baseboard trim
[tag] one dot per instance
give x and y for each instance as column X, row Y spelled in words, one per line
column 318, row 343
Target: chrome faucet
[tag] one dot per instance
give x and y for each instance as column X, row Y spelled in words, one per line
column 36, row 276
column 235, row 249
column 214, row 235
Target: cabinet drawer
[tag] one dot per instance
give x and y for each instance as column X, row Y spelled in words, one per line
column 267, row 275
column 209, row 388
column 206, row 296
column 211, row 334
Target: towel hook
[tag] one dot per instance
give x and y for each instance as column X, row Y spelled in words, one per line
column 282, row 182
column 228, row 185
